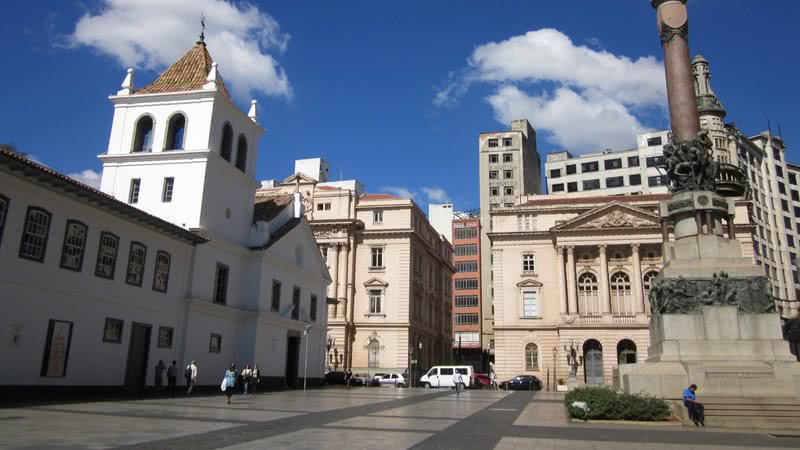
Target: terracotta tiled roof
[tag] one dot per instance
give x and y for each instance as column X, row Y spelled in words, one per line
column 268, row 207
column 189, row 73
column 50, row 179
column 598, row 199
column 380, row 197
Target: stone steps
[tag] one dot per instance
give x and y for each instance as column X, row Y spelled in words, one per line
column 759, row 413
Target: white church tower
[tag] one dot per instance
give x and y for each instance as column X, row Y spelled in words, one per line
column 181, row 150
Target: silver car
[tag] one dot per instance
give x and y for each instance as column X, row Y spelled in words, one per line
column 393, row 379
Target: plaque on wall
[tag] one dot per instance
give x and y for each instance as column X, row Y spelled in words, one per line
column 56, row 350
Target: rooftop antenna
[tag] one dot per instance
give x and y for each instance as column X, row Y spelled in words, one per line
column 769, row 126
column 202, row 28
column 780, row 135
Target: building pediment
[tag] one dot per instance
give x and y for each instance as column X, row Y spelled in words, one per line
column 612, row 215
column 529, row 283
column 375, row 282
column 298, row 178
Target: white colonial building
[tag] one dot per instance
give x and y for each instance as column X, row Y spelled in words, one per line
column 173, row 259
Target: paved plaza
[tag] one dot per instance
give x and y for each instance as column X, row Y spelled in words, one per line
column 359, row 418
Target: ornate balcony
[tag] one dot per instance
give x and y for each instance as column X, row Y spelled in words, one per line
column 732, row 181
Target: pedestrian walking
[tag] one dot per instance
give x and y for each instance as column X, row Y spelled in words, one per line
column 695, row 408
column 256, row 376
column 159, row 375
column 348, row 375
column 493, row 380
column 172, row 377
column 458, row 380
column 190, row 373
column 229, row 382
column 246, row 374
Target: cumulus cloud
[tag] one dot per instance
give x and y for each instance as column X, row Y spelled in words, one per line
column 88, row 177
column 398, row 191
column 585, row 97
column 436, row 195
column 152, row 34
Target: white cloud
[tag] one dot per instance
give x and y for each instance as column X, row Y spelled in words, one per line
column 436, row 195
column 398, row 191
column 583, row 97
column 152, row 34
column 88, row 177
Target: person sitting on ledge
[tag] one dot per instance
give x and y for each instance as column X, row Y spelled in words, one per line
column 695, row 408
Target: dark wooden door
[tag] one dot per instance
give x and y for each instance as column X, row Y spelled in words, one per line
column 292, row 359
column 138, row 353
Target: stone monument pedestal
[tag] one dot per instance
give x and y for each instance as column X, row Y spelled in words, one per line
column 728, row 353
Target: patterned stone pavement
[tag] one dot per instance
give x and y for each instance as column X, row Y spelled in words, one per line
column 358, row 418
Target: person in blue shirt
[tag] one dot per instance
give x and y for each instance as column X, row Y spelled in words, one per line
column 230, row 381
column 695, row 408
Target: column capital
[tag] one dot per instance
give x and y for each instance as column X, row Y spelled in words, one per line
column 635, row 246
column 570, row 249
column 602, row 247
column 560, row 250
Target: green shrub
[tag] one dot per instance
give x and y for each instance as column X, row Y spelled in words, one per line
column 605, row 404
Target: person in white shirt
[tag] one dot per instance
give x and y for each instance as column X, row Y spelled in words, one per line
column 191, row 376
column 246, row 374
column 458, row 380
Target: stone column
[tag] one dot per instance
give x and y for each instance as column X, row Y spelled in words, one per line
column 605, row 299
column 571, row 293
column 333, row 257
column 637, row 278
column 673, row 28
column 562, row 281
column 345, row 306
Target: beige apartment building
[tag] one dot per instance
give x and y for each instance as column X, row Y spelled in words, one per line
column 574, row 271
column 390, row 300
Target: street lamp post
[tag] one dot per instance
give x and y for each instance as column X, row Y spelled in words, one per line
column 419, row 356
column 555, row 355
column 305, row 363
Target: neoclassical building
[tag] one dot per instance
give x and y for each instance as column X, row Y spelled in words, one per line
column 390, row 301
column 575, row 272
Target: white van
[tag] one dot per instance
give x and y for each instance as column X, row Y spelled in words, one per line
column 442, row 376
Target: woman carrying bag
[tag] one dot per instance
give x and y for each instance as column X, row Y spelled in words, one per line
column 229, row 381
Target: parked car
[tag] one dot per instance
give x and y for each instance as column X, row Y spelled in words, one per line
column 376, row 379
column 522, row 383
column 442, row 376
column 481, row 381
column 359, row 380
column 392, row 379
column 334, row 378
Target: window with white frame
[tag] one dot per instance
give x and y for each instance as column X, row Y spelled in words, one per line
column 107, row 255
column 324, row 206
column 133, row 192
column 376, row 258
column 377, row 216
column 529, row 263
column 166, row 191
column 34, row 235
column 136, row 259
column 161, row 274
column 466, row 338
column 530, row 303
column 74, row 245
column 531, row 357
column 376, row 301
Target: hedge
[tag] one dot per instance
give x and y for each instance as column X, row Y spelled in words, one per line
column 605, row 404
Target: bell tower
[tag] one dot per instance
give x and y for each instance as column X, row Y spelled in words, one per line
column 180, row 149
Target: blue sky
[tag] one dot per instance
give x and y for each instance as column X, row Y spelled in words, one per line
column 394, row 93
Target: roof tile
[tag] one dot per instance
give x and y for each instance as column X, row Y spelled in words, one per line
column 189, row 73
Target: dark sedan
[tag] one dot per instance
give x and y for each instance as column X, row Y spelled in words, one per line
column 522, row 383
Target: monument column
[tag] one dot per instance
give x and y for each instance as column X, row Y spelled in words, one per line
column 562, row 281
column 605, row 299
column 637, row 278
column 571, row 294
column 673, row 28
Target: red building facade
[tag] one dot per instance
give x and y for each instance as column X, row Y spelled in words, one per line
column 467, row 291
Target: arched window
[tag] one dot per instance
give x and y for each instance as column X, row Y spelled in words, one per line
column 143, row 138
column 531, row 357
column 241, row 153
column 626, row 352
column 647, row 283
column 373, row 348
column 226, row 147
column 621, row 302
column 175, row 132
column 588, row 299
